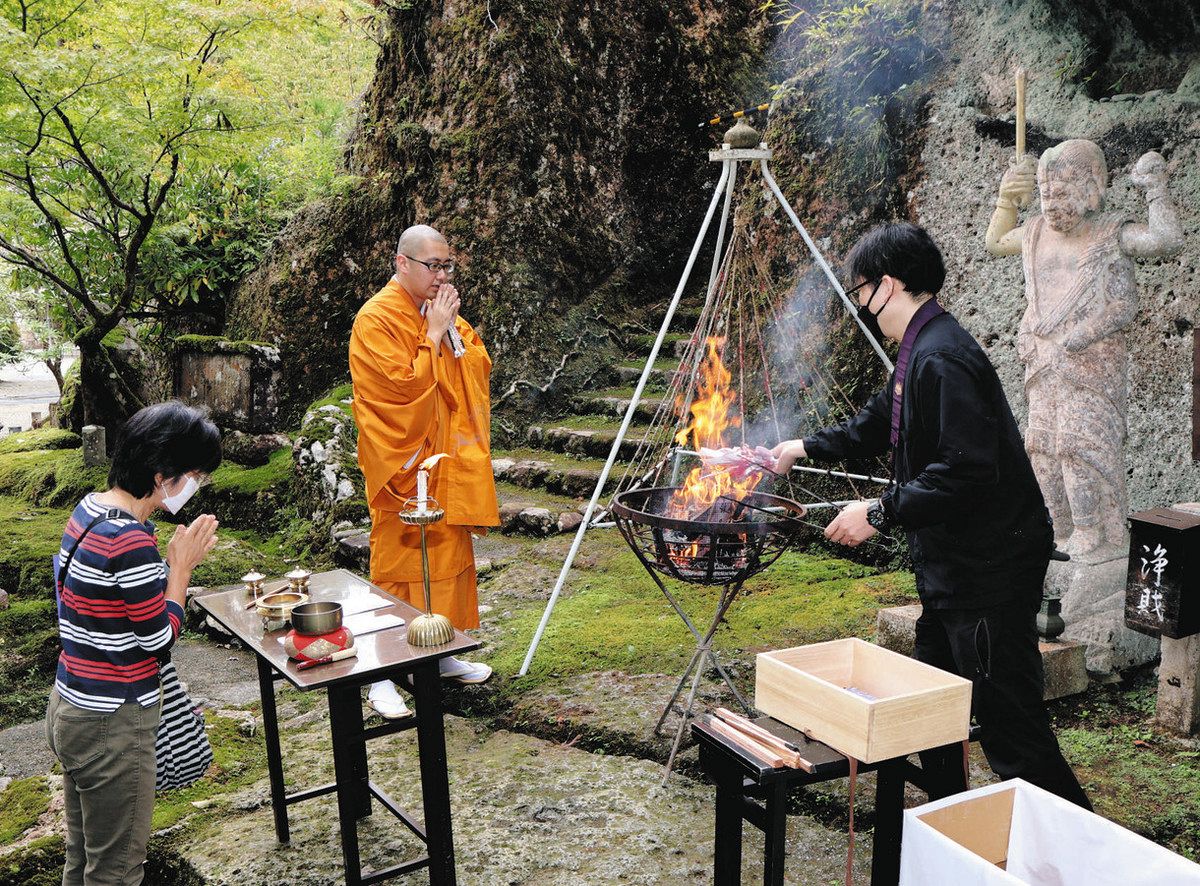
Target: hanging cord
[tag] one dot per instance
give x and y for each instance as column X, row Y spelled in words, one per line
column 834, row 393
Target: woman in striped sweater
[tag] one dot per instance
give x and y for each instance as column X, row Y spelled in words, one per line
column 120, row 609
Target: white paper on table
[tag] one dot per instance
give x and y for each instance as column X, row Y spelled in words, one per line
column 366, row 623
column 1051, row 842
column 362, row 603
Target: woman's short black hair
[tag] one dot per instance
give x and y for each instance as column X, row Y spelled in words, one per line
column 169, row 438
column 901, row 250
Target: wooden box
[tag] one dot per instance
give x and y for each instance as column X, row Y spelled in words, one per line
column 1162, row 590
column 863, row 700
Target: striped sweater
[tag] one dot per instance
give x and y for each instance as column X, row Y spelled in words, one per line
column 113, row 619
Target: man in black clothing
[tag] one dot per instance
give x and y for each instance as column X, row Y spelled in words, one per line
column 964, row 492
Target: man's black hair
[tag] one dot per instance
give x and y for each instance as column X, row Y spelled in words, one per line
column 169, row 438
column 901, row 250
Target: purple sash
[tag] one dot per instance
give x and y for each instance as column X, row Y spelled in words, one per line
column 924, row 314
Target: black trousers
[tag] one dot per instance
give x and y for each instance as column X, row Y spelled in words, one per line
column 997, row 649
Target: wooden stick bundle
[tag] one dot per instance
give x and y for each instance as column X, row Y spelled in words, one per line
column 1020, row 114
column 761, row 743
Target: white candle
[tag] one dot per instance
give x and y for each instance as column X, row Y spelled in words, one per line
column 422, row 491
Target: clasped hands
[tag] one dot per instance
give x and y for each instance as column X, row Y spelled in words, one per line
column 440, row 314
column 850, row 526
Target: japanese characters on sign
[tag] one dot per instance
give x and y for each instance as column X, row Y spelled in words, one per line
column 1151, row 601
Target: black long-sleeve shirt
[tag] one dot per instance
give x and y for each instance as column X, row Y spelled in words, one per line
column 963, row 489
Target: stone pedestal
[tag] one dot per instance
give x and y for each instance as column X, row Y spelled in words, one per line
column 95, row 447
column 1179, row 685
column 238, row 381
column 1093, row 606
column 1062, row 661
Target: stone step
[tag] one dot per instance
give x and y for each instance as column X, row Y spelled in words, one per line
column 674, row 344
column 527, row 511
column 554, row 472
column 1064, row 672
column 614, row 402
column 596, row 442
column 660, row 377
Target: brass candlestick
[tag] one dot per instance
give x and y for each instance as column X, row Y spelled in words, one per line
column 428, row 629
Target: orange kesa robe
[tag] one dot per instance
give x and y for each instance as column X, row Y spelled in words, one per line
column 411, row 402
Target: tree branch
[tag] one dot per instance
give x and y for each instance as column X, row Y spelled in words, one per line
column 62, row 21
column 91, row 167
column 521, row 382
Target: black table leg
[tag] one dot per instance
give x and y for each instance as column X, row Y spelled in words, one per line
column 346, row 723
column 266, row 691
column 889, row 819
column 727, row 838
column 775, row 835
column 435, row 783
column 350, row 773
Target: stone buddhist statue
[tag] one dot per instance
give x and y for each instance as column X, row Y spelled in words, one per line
column 1081, row 296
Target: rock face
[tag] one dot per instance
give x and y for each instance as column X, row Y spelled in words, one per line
column 1111, row 47
column 555, row 145
column 328, row 479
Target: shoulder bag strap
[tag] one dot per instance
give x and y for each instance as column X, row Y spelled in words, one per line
column 110, row 514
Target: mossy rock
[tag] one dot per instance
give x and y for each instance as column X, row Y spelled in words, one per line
column 338, row 396
column 29, row 650
column 216, row 344
column 50, row 478
column 247, row 497
column 38, row 863
column 41, row 438
column 26, row 616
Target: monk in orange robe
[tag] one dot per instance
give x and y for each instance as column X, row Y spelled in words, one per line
column 420, row 376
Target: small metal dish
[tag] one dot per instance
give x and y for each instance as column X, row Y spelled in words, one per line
column 317, row 617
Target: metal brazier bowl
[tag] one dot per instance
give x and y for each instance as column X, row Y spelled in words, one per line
column 279, row 605
column 317, row 617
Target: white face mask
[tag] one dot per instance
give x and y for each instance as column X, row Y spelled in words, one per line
column 174, row 503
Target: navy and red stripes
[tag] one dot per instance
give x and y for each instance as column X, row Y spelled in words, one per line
column 113, row 619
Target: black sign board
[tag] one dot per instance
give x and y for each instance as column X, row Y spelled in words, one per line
column 1162, row 593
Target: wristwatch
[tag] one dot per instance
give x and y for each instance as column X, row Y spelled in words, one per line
column 877, row 517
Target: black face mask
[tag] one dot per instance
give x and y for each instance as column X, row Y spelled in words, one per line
column 869, row 318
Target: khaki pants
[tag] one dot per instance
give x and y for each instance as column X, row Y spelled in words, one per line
column 108, row 787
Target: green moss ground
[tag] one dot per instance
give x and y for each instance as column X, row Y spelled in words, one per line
column 1134, row 774
column 29, row 536
column 613, row 617
column 37, row 864
column 239, row 760
column 21, row 803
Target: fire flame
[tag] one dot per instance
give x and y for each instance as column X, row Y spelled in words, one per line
column 711, row 415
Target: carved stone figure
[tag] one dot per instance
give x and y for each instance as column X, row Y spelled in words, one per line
column 1081, row 296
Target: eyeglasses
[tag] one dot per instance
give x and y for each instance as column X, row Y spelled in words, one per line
column 434, row 266
column 854, row 289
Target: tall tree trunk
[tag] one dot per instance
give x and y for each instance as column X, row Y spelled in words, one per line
column 109, row 386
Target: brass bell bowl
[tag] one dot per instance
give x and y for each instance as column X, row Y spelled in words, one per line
column 430, row 630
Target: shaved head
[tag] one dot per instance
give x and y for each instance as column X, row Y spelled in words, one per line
column 416, row 237
column 420, row 246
